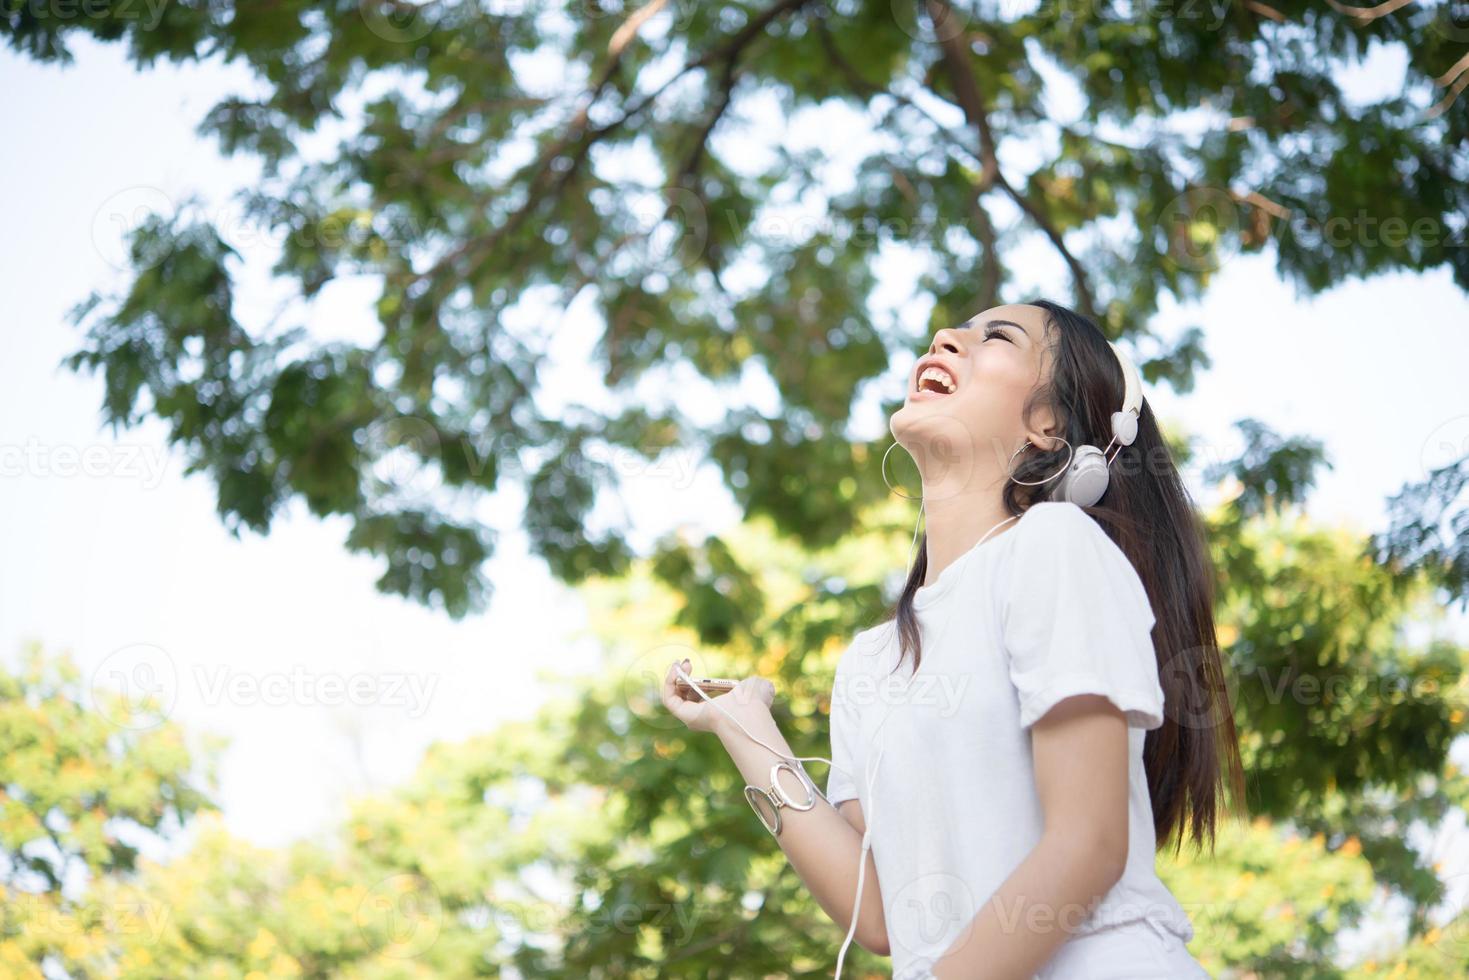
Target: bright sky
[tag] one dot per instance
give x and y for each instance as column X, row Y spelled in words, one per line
column 327, row 688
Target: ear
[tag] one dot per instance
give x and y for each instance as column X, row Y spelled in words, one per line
column 1042, row 431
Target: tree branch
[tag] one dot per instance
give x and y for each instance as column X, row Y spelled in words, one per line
column 726, row 89
column 1084, row 296
column 577, row 130
column 956, row 52
column 984, row 230
column 966, row 89
column 586, row 138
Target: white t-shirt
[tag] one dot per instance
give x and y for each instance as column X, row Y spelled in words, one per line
column 1046, row 608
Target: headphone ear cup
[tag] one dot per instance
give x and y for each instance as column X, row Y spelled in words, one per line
column 1086, row 478
column 1124, row 427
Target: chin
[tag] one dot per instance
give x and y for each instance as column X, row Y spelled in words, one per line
column 930, row 419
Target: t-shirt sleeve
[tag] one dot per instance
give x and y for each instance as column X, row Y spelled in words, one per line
column 1076, row 618
column 841, row 780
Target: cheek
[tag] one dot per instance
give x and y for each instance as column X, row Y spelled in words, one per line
column 991, row 406
column 1002, row 384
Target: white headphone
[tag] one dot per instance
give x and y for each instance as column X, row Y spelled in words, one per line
column 1087, row 475
column 1086, row 479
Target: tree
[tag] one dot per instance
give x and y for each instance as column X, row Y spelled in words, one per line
column 486, row 200
column 228, row 909
column 84, row 787
column 1270, row 902
column 1346, row 724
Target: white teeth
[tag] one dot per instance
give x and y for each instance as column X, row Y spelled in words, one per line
column 937, row 374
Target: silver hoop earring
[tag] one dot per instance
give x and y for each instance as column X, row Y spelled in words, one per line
column 1035, row 483
column 892, row 488
column 912, row 548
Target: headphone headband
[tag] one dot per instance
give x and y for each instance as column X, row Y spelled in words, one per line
column 1132, row 399
column 1086, row 476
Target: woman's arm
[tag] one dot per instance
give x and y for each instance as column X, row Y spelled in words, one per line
column 1080, row 752
column 822, row 844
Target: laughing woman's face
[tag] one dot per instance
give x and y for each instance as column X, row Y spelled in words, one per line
column 965, row 395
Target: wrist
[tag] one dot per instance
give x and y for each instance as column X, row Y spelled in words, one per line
column 754, row 715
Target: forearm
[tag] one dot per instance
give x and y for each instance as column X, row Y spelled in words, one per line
column 820, row 844
column 1032, row 914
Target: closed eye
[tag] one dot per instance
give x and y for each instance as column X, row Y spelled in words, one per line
column 992, row 331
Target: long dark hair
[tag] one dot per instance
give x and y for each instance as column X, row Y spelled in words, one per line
column 1147, row 511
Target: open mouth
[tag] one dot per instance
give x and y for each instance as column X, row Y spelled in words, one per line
column 936, row 379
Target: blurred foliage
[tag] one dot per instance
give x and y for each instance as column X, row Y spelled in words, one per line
column 85, row 787
column 602, row 839
column 488, row 164
column 1320, row 669
column 1270, row 901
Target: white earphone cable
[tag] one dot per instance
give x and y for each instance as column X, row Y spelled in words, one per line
column 870, row 817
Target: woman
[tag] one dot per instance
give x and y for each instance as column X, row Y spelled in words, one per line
column 1044, row 709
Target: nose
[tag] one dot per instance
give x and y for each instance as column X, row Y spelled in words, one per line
column 946, row 339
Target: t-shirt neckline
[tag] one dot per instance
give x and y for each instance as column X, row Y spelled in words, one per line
column 929, row 594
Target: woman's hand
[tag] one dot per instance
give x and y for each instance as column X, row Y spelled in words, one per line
column 751, row 697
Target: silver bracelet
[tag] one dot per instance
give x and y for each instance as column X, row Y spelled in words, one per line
column 767, row 802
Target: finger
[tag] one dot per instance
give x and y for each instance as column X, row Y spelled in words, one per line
column 671, row 686
column 685, row 691
column 670, row 689
column 672, row 699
